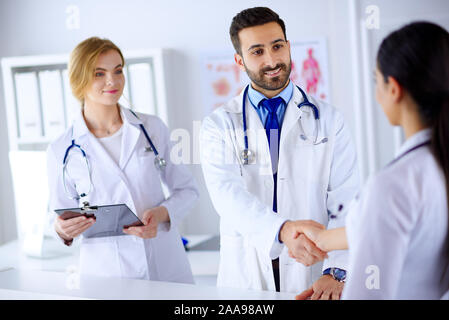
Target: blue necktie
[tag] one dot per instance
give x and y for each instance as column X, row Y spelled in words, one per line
column 273, row 132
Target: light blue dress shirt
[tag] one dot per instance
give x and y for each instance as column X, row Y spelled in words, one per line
column 255, row 97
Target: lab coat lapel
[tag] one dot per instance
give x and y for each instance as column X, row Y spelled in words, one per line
column 292, row 115
column 131, row 135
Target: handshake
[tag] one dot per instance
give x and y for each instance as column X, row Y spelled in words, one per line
column 306, row 241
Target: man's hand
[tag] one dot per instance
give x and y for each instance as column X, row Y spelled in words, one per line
column 151, row 219
column 299, row 247
column 325, row 288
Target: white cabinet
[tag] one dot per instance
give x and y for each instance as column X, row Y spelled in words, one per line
column 40, row 104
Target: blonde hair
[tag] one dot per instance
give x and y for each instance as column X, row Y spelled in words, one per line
column 82, row 63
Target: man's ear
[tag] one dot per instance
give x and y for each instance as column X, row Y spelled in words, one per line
column 239, row 61
column 395, row 89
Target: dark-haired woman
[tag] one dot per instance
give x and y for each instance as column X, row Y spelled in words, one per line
column 397, row 229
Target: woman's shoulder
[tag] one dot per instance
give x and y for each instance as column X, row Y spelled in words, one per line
column 147, row 119
column 62, row 142
column 407, row 176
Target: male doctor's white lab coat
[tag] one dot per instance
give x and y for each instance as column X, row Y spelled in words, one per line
column 134, row 181
column 312, row 179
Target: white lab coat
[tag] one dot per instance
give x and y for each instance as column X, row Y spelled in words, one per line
column 135, row 182
column 397, row 230
column 312, row 179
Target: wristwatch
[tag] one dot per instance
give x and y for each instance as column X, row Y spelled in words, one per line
column 336, row 273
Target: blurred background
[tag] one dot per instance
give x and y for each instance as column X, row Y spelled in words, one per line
column 180, row 67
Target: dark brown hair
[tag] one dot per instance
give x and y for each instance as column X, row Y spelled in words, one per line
column 250, row 18
column 417, row 56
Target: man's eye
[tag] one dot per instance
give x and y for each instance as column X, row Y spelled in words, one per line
column 278, row 46
column 258, row 52
column 119, row 71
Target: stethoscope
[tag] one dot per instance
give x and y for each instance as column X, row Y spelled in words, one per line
column 159, row 162
column 247, row 156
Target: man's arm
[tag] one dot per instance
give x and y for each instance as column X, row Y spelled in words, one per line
column 231, row 198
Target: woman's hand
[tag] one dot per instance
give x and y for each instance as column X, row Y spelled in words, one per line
column 326, row 240
column 151, row 220
column 72, row 228
column 315, row 234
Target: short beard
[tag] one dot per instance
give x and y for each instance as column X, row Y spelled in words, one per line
column 272, row 84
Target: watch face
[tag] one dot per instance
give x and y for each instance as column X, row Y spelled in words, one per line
column 339, row 274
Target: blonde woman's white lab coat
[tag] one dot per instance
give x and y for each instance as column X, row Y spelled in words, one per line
column 136, row 182
column 397, row 230
column 312, row 179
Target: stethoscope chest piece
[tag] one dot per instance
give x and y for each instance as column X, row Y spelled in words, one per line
column 160, row 163
column 247, row 156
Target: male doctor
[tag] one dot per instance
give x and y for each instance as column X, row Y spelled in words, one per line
column 288, row 169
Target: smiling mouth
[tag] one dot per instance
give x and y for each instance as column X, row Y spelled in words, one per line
column 273, row 73
column 111, row 91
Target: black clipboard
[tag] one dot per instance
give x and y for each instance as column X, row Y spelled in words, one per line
column 110, row 220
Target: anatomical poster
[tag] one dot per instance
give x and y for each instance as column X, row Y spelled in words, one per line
column 223, row 80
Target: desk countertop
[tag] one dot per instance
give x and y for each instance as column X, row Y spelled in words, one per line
column 50, row 277
column 33, row 284
column 58, row 257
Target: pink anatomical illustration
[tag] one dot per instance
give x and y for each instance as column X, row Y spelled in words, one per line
column 222, row 87
column 311, row 74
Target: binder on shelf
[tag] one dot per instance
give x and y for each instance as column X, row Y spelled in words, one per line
column 28, row 106
column 52, row 103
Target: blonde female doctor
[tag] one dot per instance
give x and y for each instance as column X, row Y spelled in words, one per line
column 122, row 170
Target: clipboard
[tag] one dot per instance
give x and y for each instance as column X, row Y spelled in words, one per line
column 110, row 220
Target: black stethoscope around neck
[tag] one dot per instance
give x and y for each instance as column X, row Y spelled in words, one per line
column 247, row 156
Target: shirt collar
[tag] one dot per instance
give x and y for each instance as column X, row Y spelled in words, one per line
column 416, row 139
column 80, row 127
column 255, row 97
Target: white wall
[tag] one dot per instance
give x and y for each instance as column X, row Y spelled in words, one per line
column 34, row 27
column 393, row 15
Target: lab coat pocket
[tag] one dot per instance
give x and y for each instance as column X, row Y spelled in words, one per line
column 99, row 257
column 233, row 267
column 296, row 277
column 315, row 160
column 144, row 153
column 310, row 142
